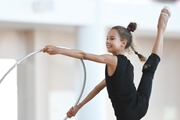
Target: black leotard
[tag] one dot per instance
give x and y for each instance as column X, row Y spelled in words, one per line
column 129, row 103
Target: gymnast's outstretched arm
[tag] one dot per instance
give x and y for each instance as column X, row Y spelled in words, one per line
column 92, row 94
column 161, row 26
column 105, row 58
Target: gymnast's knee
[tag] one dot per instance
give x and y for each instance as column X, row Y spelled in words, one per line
column 151, row 64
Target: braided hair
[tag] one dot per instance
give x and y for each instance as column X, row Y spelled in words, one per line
column 125, row 33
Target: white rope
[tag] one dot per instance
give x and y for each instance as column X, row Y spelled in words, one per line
column 35, row 52
column 84, row 82
column 77, row 101
column 18, row 62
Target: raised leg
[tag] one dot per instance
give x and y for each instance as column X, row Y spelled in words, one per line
column 151, row 64
column 161, row 26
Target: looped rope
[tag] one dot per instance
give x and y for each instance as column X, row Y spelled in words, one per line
column 17, row 63
column 35, row 52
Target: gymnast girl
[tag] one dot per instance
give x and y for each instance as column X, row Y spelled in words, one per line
column 128, row 102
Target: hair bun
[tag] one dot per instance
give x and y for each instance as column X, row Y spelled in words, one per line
column 132, row 26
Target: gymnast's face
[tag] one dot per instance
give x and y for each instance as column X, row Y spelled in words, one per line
column 114, row 43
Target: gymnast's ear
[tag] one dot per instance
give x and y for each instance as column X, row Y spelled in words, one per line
column 124, row 42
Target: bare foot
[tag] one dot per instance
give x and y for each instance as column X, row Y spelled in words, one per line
column 163, row 19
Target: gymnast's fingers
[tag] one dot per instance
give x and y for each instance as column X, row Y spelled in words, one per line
column 69, row 114
column 47, row 48
column 44, row 49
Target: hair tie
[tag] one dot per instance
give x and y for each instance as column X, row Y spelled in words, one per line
column 136, row 52
column 129, row 28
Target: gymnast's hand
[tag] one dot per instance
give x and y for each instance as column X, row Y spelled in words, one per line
column 50, row 49
column 72, row 112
